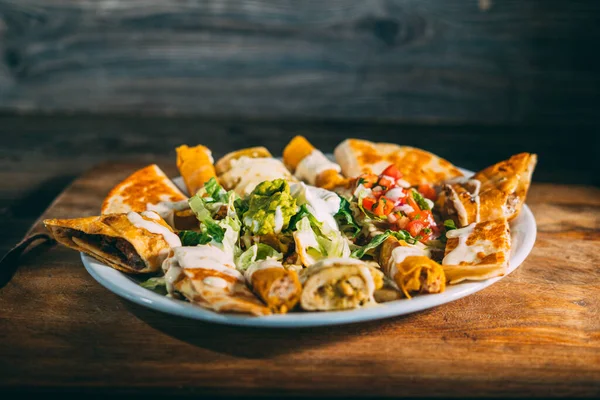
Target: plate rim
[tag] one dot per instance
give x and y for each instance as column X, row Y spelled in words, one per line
column 126, row 287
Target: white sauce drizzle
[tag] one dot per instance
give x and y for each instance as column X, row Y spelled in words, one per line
column 321, row 203
column 140, row 222
column 215, row 281
column 206, row 257
column 278, row 220
column 369, row 281
column 166, row 209
column 462, row 252
column 313, row 165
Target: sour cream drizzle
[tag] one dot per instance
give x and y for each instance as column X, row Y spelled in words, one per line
column 313, row 165
column 462, row 252
column 139, row 222
column 278, row 220
column 166, row 209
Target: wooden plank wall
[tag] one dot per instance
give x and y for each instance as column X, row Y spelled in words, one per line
column 434, row 61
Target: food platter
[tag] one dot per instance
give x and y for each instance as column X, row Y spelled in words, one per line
column 523, row 234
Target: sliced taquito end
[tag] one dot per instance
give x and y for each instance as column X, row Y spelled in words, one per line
column 195, row 165
column 224, row 163
column 339, row 284
column 478, row 251
column 419, row 274
column 417, row 166
column 132, row 243
column 279, row 288
column 147, row 186
column 296, row 150
column 410, row 267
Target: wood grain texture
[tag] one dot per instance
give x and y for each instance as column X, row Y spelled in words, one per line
column 409, row 60
column 535, row 333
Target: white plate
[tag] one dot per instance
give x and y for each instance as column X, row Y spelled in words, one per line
column 523, row 232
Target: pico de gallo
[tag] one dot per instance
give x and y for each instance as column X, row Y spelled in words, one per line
column 387, row 197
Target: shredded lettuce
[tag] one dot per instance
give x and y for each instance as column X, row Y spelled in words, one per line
column 303, row 212
column 258, row 251
column 345, row 219
column 193, row 238
column 449, row 225
column 369, row 248
column 156, row 284
column 318, row 243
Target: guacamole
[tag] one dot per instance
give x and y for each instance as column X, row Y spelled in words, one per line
column 270, row 207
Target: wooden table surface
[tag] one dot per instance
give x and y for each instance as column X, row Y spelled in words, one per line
column 536, row 332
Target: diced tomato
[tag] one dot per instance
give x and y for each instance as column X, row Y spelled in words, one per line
column 384, row 206
column 386, row 183
column 367, row 180
column 415, row 227
column 427, row 191
column 368, row 203
column 392, row 171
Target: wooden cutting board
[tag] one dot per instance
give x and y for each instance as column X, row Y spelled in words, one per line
column 536, row 332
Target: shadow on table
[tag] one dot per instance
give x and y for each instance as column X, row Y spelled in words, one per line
column 257, row 343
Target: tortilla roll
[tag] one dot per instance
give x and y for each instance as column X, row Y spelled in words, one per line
column 478, row 251
column 205, row 275
column 132, row 243
column 195, row 165
column 242, row 170
column 311, row 165
column 339, row 284
column 410, row 267
column 495, row 192
column 277, row 287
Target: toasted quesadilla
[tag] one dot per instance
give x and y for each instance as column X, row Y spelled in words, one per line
column 410, row 267
column 311, row 165
column 132, row 242
column 150, row 189
column 206, row 275
column 242, row 170
column 417, row 166
column 275, row 285
column 195, row 165
column 478, row 251
column 339, row 284
column 497, row 191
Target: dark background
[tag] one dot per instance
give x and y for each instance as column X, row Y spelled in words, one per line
column 474, row 81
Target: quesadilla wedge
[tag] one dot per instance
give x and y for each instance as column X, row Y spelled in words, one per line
column 132, row 243
column 242, row 170
column 478, row 251
column 206, row 275
column 417, row 166
column 150, row 189
column 339, row 284
column 497, row 191
column 312, row 166
column 410, row 267
column 195, row 165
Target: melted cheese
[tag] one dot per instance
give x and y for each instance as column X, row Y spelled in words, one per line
column 263, row 264
column 215, row 281
column 140, row 222
column 399, row 254
column 313, row 165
